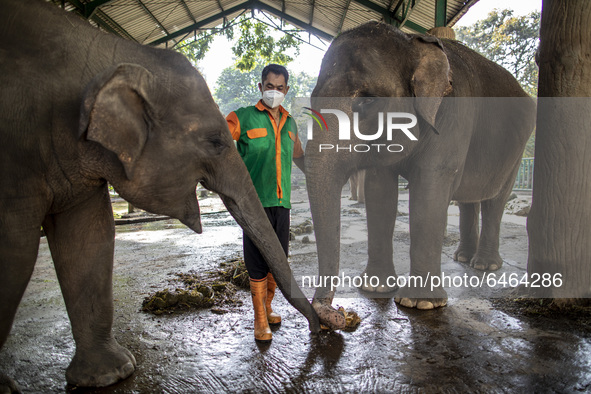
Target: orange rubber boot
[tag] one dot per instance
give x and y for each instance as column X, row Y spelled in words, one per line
column 272, row 317
column 258, row 290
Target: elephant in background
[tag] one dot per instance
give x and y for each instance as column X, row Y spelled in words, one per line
column 357, row 186
column 468, row 149
column 81, row 108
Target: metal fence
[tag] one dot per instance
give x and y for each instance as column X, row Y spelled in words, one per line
column 524, row 180
column 525, row 175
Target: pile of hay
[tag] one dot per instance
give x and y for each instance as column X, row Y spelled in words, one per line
column 352, row 319
column 305, row 227
column 234, row 271
column 210, row 290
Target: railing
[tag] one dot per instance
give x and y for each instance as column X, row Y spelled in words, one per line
column 525, row 175
column 402, row 183
column 524, row 180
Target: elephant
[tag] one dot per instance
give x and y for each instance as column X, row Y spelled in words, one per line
column 80, row 109
column 468, row 149
column 357, row 186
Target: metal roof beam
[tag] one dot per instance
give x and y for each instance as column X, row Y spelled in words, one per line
column 106, row 22
column 412, row 5
column 188, row 11
column 282, row 11
column 78, row 5
column 398, row 5
column 453, row 20
column 152, row 16
column 416, row 27
column 440, row 13
column 87, row 9
column 204, row 22
column 252, row 5
column 294, row 21
column 90, row 7
column 389, row 17
column 342, row 22
column 100, row 18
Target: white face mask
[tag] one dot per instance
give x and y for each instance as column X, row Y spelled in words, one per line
column 273, row 98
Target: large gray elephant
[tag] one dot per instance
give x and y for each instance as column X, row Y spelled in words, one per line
column 80, row 108
column 467, row 150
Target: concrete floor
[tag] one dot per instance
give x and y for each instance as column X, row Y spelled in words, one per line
column 468, row 346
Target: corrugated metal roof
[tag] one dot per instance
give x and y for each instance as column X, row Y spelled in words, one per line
column 167, row 22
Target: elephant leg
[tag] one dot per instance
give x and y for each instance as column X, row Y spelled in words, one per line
column 381, row 208
column 469, row 232
column 325, row 204
column 487, row 256
column 82, row 245
column 361, row 186
column 353, row 186
column 20, row 229
column 428, row 204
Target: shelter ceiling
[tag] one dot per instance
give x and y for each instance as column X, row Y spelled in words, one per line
column 168, row 22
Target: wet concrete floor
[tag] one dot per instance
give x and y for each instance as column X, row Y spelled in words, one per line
column 468, row 346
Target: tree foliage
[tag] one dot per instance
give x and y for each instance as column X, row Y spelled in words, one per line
column 508, row 40
column 237, row 89
column 255, row 43
column 196, row 47
column 512, row 42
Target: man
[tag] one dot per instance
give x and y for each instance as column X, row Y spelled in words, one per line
column 267, row 140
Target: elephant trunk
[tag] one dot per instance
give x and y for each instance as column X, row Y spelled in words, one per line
column 239, row 195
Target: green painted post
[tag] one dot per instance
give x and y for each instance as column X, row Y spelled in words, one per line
column 440, row 13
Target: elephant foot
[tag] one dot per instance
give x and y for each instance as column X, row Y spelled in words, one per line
column 100, row 367
column 420, row 298
column 329, row 316
column 464, row 255
column 379, row 279
column 386, row 284
column 7, row 385
column 486, row 263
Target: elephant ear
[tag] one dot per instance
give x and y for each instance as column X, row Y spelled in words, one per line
column 432, row 78
column 115, row 112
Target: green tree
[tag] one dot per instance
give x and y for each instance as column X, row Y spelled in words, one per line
column 237, row 89
column 512, row 42
column 508, row 40
column 255, row 43
column 196, row 48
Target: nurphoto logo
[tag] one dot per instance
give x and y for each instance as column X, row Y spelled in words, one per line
column 395, row 122
column 317, row 117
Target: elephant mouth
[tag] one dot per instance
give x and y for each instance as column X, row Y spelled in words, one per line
column 193, row 222
column 192, row 215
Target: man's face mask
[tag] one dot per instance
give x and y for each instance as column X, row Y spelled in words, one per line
column 273, row 98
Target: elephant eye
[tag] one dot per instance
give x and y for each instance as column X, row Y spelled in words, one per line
column 216, row 143
column 361, row 104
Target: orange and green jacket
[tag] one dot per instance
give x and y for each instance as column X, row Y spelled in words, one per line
column 267, row 150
